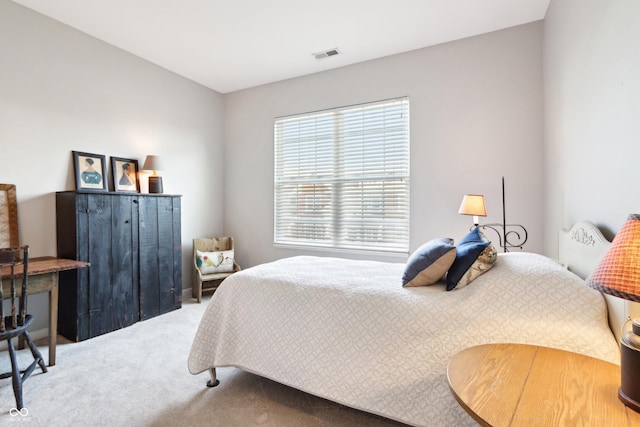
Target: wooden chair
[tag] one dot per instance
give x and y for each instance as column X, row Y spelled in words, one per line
column 16, row 325
column 210, row 244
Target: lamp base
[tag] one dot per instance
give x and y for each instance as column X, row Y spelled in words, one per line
column 155, row 184
column 629, row 392
column 628, row 401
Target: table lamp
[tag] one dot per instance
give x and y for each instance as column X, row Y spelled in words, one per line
column 154, row 164
column 618, row 274
column 473, row 204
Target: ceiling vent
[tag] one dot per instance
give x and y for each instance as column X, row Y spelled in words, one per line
column 326, row 53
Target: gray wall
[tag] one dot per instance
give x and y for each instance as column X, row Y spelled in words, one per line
column 592, row 114
column 61, row 90
column 476, row 115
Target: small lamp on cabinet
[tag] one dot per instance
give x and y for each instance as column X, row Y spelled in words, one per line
column 618, row 274
column 154, row 164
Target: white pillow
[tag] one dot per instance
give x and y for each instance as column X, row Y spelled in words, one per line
column 215, row 262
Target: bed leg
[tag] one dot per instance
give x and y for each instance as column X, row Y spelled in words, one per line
column 213, row 381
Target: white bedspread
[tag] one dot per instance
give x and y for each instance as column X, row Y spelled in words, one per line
column 349, row 332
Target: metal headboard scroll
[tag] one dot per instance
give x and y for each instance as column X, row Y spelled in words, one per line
column 510, row 236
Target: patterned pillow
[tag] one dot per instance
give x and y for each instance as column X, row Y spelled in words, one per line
column 485, row 261
column 467, row 252
column 429, row 263
column 215, row 262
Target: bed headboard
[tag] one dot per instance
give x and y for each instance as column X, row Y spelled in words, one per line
column 580, row 250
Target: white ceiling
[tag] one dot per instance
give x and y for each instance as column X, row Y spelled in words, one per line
column 228, row 45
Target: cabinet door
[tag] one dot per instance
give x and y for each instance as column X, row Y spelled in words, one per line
column 124, row 261
column 170, row 254
column 160, row 255
column 94, row 224
column 108, row 295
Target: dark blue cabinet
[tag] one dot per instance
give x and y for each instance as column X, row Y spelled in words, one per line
column 133, row 243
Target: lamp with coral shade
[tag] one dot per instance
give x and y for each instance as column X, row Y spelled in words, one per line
column 618, row 274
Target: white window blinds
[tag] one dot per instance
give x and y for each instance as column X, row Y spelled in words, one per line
column 342, row 177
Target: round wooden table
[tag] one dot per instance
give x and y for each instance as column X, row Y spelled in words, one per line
column 518, row 385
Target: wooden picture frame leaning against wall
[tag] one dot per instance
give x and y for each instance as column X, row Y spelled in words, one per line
column 90, row 171
column 8, row 216
column 125, row 175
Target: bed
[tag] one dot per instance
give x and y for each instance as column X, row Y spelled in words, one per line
column 348, row 331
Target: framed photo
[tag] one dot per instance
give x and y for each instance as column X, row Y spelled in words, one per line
column 91, row 171
column 125, row 175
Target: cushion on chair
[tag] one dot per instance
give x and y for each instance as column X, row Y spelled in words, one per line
column 215, row 262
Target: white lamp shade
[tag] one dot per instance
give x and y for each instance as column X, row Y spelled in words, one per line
column 153, row 163
column 473, row 204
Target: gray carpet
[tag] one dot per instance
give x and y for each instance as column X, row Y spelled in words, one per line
column 138, row 376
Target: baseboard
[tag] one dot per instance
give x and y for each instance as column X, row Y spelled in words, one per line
column 44, row 332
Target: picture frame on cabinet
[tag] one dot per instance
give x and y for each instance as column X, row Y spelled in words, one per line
column 125, row 175
column 90, row 171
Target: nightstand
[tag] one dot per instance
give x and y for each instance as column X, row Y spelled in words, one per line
column 517, row 384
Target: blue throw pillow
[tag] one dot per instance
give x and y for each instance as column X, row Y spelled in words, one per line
column 429, row 263
column 468, row 250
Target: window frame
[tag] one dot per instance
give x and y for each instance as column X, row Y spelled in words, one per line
column 386, row 183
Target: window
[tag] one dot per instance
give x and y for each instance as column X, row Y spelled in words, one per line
column 342, row 177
